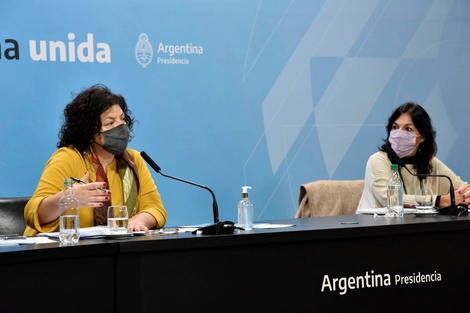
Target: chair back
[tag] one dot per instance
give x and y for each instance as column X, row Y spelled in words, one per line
column 12, row 215
column 329, row 197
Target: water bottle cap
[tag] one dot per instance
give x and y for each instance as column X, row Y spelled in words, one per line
column 394, row 167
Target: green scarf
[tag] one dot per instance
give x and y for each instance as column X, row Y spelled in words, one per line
column 130, row 181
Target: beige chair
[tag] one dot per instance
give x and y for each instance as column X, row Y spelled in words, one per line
column 329, row 197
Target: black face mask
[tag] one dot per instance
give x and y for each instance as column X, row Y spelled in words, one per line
column 116, row 139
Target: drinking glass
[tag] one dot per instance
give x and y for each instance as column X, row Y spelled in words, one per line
column 424, row 200
column 118, row 219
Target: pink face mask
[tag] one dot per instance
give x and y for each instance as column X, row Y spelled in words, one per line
column 403, row 142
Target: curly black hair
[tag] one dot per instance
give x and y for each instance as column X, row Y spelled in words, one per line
column 421, row 119
column 82, row 116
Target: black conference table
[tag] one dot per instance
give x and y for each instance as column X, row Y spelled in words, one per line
column 357, row 263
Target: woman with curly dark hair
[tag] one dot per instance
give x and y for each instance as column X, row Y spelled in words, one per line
column 92, row 147
column 410, row 137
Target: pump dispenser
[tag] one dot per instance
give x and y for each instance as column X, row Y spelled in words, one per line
column 245, row 191
column 245, row 210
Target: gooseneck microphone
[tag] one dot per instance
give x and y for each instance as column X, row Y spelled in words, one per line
column 452, row 209
column 215, row 207
column 218, row 227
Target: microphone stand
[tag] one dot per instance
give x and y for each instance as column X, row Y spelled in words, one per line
column 453, row 209
column 214, row 201
column 218, row 228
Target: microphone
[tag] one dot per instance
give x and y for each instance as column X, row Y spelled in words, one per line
column 218, row 228
column 452, row 209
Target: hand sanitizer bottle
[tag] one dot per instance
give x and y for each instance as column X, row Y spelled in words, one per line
column 245, row 210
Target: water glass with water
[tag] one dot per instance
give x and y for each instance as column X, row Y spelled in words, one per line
column 424, row 200
column 118, row 219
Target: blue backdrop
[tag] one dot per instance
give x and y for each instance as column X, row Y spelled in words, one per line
column 270, row 94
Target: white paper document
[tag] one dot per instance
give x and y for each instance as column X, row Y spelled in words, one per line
column 85, row 232
column 382, row 211
column 102, row 231
column 91, row 232
column 269, row 225
column 27, row 241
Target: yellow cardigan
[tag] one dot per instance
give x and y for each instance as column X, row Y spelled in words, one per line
column 68, row 162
